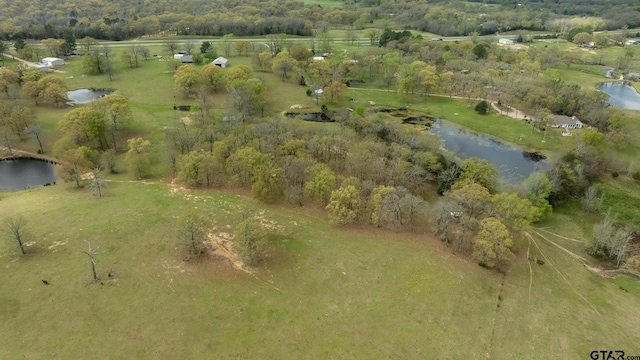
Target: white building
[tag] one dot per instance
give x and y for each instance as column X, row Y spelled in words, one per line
column 220, row 61
column 561, row 121
column 52, row 61
column 505, row 41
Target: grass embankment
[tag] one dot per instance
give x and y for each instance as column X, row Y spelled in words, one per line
column 326, row 292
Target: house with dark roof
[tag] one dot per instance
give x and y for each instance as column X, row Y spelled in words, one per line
column 566, row 122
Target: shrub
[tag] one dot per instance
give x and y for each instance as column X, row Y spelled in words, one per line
column 482, row 108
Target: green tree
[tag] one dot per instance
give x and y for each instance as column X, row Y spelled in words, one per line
column 19, row 118
column 3, row 48
column 213, row 77
column 266, row 183
column 137, row 157
column 189, row 169
column 538, row 189
column 482, row 108
column 343, row 205
column 93, row 63
column 283, row 63
column 470, row 198
column 126, row 56
column 492, row 245
column 243, row 163
column 375, row 202
column 515, row 213
column 582, row 38
column 480, row 171
column 86, row 126
column 238, row 72
column 334, row 91
column 72, row 165
column 321, row 181
column 227, row 42
column 251, row 241
column 192, row 232
column 187, row 80
column 116, row 110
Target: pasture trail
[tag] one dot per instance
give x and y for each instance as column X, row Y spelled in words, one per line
column 495, row 315
column 564, row 278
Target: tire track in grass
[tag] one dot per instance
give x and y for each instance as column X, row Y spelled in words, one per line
column 560, row 236
column 561, row 274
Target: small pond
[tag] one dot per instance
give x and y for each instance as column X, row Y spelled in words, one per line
column 621, row 94
column 22, row 173
column 85, row 96
column 513, row 164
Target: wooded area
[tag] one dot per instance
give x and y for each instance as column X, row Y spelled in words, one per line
column 120, row 20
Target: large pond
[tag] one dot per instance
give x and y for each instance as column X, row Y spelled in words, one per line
column 25, row 173
column 513, row 164
column 621, row 94
column 85, row 96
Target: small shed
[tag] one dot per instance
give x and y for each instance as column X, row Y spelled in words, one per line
column 186, row 59
column 52, row 61
column 178, row 56
column 220, row 61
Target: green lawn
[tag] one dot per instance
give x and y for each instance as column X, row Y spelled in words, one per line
column 326, row 292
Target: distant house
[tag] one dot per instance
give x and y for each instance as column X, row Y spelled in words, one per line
column 186, row 59
column 52, row 61
column 220, row 61
column 505, row 41
column 317, row 58
column 566, row 122
column 178, row 56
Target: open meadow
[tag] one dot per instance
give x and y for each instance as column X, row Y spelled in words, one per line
column 325, row 292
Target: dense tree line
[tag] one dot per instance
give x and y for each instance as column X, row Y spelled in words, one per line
column 120, row 20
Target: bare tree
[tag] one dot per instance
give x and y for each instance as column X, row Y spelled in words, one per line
column 36, row 131
column 15, row 229
column 192, row 232
column 92, row 255
column 97, row 182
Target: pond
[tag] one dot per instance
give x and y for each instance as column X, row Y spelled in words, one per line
column 621, row 94
column 22, row 173
column 85, row 96
column 513, row 164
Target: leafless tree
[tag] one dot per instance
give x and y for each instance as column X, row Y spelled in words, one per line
column 92, row 255
column 15, row 229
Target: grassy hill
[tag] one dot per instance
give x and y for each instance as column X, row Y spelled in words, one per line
column 325, row 292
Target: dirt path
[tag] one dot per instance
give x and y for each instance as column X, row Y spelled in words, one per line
column 30, row 63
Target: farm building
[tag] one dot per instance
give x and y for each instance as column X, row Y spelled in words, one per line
column 52, row 61
column 220, row 61
column 505, row 41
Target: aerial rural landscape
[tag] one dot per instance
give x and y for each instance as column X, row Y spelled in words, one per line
column 320, row 179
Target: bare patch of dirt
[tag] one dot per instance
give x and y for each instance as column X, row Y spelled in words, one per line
column 221, row 244
column 186, row 120
column 297, row 107
column 55, row 244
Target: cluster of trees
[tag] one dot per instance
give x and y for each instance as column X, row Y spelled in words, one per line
column 119, row 20
column 250, row 238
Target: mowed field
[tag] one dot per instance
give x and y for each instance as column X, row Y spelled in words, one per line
column 325, row 292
